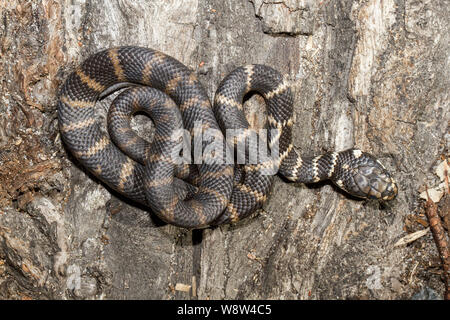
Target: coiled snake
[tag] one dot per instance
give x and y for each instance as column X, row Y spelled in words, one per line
column 217, row 191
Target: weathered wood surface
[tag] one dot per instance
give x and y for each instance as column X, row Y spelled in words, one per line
column 371, row 74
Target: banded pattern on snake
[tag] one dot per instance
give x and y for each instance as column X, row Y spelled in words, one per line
column 217, row 191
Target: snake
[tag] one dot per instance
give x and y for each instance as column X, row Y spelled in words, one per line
column 208, row 191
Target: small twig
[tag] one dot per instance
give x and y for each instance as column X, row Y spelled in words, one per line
column 194, row 286
column 446, row 176
column 412, row 272
column 441, row 241
column 411, row 237
column 183, row 287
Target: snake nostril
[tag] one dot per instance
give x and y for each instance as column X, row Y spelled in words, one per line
column 394, row 189
column 390, row 191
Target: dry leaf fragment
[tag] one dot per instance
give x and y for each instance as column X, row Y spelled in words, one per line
column 411, row 237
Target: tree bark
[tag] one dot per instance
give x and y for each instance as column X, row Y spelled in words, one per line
column 369, row 74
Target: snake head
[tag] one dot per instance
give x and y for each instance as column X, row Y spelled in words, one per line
column 367, row 178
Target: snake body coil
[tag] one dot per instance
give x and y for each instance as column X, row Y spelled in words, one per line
column 218, row 192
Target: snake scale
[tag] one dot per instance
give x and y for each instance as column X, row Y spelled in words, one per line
column 209, row 192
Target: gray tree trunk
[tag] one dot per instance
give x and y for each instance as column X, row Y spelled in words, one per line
column 371, row 74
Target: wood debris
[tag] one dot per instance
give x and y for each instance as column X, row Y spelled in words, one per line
column 439, row 235
column 411, row 237
column 182, row 287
